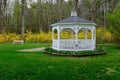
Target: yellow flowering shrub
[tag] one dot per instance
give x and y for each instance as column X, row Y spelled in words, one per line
column 65, row 34
column 55, row 36
column 102, row 35
column 89, row 34
column 68, row 35
column 81, row 35
column 8, row 37
column 38, row 37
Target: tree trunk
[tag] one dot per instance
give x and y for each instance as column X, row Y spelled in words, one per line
column 18, row 21
column 39, row 21
column 23, row 20
column 59, row 8
column 75, row 5
column 3, row 15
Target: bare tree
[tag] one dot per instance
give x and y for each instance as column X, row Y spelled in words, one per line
column 23, row 19
column 3, row 14
column 39, row 19
column 42, row 13
column 59, row 8
column 75, row 5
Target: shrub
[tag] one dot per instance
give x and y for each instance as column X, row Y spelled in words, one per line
column 38, row 37
column 97, row 51
column 103, row 36
column 8, row 37
column 114, row 25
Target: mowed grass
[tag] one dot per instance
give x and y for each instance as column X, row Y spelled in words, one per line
column 16, row 65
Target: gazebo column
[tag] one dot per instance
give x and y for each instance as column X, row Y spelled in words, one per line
column 52, row 33
column 58, row 38
column 94, row 32
column 72, row 35
column 76, row 32
column 53, row 37
column 92, row 38
column 73, row 32
column 54, row 41
column 85, row 33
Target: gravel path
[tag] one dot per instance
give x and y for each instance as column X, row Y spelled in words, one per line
column 32, row 50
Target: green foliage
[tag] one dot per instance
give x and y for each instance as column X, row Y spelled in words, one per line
column 114, row 25
column 98, row 50
column 16, row 65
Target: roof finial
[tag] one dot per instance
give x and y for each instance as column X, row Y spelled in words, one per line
column 73, row 13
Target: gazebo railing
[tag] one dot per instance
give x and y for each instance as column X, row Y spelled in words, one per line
column 55, row 44
column 73, row 45
column 85, row 44
column 67, row 44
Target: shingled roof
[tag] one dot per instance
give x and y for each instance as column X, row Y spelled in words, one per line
column 75, row 19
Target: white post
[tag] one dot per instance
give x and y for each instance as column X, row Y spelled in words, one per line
column 76, row 45
column 85, row 37
column 92, row 30
column 95, row 37
column 85, row 33
column 52, row 37
column 72, row 35
column 58, row 38
column 52, row 33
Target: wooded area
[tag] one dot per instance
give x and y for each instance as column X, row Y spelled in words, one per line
column 36, row 16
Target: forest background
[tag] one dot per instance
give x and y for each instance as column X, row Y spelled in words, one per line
column 31, row 19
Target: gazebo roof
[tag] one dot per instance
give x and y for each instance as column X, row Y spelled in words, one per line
column 74, row 19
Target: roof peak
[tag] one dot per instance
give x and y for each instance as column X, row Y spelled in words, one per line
column 73, row 13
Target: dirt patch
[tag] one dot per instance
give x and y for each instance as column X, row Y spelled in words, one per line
column 33, row 49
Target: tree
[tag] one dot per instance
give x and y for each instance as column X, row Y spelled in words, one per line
column 37, row 16
column 59, row 8
column 23, row 18
column 75, row 5
column 113, row 20
column 16, row 19
column 3, row 14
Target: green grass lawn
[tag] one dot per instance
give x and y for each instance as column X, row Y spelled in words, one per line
column 16, row 65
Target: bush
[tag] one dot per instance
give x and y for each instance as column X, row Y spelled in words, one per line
column 38, row 37
column 114, row 25
column 103, row 36
column 8, row 37
column 97, row 51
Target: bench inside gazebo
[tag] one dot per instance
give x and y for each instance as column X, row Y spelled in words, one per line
column 74, row 25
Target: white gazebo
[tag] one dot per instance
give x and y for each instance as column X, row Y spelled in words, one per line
column 74, row 25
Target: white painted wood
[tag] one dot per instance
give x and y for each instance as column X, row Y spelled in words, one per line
column 73, row 13
column 59, row 37
column 74, row 44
